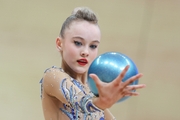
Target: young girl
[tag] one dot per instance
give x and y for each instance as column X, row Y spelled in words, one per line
column 65, row 93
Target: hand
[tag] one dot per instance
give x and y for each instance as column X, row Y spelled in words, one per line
column 110, row 93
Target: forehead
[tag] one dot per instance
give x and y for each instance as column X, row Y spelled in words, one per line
column 83, row 29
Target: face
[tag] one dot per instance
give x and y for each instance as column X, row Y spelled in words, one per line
column 80, row 45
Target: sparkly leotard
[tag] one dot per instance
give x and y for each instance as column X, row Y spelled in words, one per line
column 80, row 106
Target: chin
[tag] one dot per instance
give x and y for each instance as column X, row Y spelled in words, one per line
column 80, row 70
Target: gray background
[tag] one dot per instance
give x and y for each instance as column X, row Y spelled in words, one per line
column 148, row 31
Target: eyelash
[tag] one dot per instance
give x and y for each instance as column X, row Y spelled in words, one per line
column 93, row 46
column 77, row 43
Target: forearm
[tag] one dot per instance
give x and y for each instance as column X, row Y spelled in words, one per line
column 108, row 115
column 78, row 98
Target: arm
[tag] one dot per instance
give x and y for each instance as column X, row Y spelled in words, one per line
column 51, row 83
column 60, row 85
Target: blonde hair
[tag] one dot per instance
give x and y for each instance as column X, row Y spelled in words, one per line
column 78, row 14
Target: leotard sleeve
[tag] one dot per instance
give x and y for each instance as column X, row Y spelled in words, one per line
column 58, row 84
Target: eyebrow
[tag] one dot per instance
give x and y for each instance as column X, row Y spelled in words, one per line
column 84, row 39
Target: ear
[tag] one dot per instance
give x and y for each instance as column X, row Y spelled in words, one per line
column 59, row 43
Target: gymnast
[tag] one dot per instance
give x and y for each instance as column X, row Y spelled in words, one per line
column 64, row 90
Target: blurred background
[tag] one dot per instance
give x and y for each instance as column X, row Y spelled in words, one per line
column 148, row 31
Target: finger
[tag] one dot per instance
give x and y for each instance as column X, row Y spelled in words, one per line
column 131, row 94
column 96, row 79
column 121, row 75
column 132, row 79
column 134, row 87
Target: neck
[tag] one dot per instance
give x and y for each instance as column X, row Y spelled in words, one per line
column 79, row 77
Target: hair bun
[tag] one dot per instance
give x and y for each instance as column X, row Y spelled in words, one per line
column 77, row 9
column 79, row 13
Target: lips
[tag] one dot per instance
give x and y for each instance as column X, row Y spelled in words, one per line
column 82, row 61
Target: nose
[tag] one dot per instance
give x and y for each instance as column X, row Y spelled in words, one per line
column 85, row 53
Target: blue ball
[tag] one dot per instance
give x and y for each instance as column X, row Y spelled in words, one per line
column 108, row 66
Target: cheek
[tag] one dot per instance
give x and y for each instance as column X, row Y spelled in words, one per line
column 93, row 55
column 69, row 52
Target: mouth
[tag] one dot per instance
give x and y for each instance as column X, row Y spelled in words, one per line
column 82, row 61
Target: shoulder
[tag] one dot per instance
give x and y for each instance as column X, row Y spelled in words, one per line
column 51, row 82
column 53, row 69
column 54, row 74
column 52, row 79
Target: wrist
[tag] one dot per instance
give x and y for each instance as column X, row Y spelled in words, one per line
column 88, row 106
column 98, row 103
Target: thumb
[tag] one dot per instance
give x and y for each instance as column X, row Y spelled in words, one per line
column 96, row 79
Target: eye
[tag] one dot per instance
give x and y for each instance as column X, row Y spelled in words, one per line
column 77, row 43
column 93, row 46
